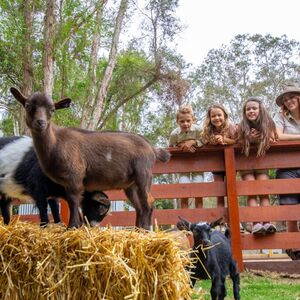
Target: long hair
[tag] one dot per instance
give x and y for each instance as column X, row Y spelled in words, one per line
column 209, row 130
column 264, row 124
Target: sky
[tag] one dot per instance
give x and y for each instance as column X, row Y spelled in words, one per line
column 211, row 23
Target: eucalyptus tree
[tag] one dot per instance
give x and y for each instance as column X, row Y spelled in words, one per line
column 16, row 51
column 250, row 65
column 72, row 48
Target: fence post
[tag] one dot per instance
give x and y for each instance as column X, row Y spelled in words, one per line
column 64, row 211
column 233, row 206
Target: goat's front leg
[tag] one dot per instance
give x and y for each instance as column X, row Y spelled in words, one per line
column 73, row 199
column 54, row 206
column 216, row 286
column 42, row 204
column 5, row 204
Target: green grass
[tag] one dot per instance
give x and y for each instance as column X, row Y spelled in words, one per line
column 264, row 286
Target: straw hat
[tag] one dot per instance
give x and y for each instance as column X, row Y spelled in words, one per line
column 288, row 89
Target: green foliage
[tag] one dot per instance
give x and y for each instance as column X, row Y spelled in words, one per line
column 7, row 126
column 248, row 66
column 164, row 204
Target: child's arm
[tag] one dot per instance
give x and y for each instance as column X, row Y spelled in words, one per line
column 173, row 139
column 229, row 141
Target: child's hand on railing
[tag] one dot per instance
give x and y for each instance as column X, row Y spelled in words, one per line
column 189, row 145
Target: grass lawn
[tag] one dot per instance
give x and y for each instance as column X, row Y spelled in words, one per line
column 258, row 286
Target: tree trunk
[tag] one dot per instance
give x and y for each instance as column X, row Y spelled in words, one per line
column 27, row 83
column 48, row 50
column 89, row 104
column 102, row 93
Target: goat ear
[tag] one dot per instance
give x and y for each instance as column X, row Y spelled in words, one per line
column 216, row 222
column 101, row 198
column 64, row 103
column 18, row 95
column 183, row 224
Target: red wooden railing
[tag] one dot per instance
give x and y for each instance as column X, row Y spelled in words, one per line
column 230, row 160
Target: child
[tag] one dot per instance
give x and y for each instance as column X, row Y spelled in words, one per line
column 218, row 130
column 288, row 128
column 187, row 137
column 257, row 127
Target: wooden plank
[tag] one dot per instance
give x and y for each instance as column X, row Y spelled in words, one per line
column 268, row 187
column 191, row 162
column 286, row 267
column 279, row 240
column 64, row 212
column 167, row 216
column 233, row 206
column 247, row 214
column 270, row 213
column 273, row 160
column 177, row 190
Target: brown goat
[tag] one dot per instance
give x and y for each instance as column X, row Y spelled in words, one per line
column 88, row 160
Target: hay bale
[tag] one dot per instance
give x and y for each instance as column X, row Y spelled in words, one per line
column 88, row 263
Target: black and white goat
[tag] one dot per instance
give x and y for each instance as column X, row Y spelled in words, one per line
column 21, row 177
column 212, row 257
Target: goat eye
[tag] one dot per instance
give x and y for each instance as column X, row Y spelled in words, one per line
column 28, row 107
column 51, row 110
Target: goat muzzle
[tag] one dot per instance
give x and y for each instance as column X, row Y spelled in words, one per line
column 40, row 124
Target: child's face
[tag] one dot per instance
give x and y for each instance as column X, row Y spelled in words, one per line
column 291, row 102
column 252, row 110
column 185, row 122
column 217, row 117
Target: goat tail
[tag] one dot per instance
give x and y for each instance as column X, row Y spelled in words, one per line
column 162, row 154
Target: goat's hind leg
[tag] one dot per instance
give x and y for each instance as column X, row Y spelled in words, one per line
column 132, row 196
column 141, row 205
column 143, row 183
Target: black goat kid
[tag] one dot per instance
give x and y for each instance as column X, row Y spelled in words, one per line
column 212, row 257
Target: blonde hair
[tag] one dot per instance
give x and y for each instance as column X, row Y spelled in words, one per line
column 185, row 110
column 209, row 129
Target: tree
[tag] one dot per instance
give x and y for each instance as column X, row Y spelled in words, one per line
column 102, row 91
column 250, row 66
column 69, row 59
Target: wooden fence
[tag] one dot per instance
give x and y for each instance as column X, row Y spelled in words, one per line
column 230, row 160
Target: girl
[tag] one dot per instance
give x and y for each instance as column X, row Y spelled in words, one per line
column 257, row 127
column 218, row 130
column 288, row 128
column 187, row 137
